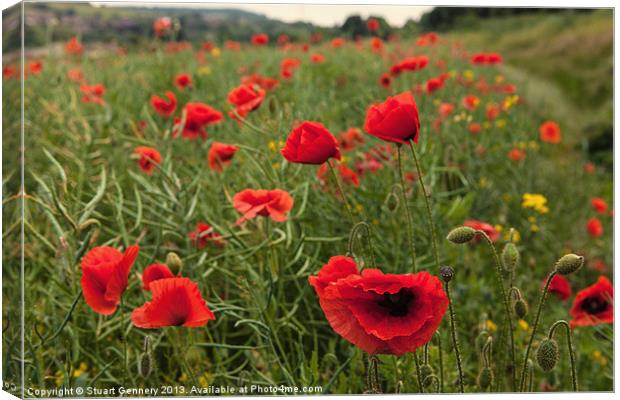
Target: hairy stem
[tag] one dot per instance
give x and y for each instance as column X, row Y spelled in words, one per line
column 455, row 342
column 429, row 212
column 541, row 303
column 570, row 349
column 407, row 211
column 500, row 282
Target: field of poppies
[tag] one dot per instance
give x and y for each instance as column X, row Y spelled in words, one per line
column 379, row 215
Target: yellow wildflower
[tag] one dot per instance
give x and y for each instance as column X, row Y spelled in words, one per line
column 215, row 52
column 272, row 146
column 524, row 325
column 499, row 78
column 275, row 165
column 486, row 125
column 500, row 123
column 535, row 201
column 468, row 74
column 484, row 182
column 491, row 326
column 359, row 208
column 204, row 70
column 375, row 221
column 183, row 378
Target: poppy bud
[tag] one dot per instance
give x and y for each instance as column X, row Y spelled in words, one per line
column 548, row 354
column 426, row 371
column 485, row 378
column 446, row 273
column 520, row 308
column 145, row 365
column 174, row 262
column 510, row 256
column 462, row 234
column 569, row 264
column 391, row 202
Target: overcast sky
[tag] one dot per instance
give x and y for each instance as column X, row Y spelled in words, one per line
column 324, row 15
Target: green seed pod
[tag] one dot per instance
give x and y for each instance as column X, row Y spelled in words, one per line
column 569, row 264
column 510, row 257
column 174, row 262
column 426, row 371
column 520, row 308
column 391, row 202
column 462, row 234
column 485, row 378
column 548, row 354
column 145, row 364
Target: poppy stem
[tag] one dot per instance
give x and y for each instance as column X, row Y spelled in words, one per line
column 440, row 361
column 352, row 235
column 124, row 338
column 344, row 198
column 417, row 370
column 407, row 212
column 541, row 303
column 500, row 282
column 455, row 342
column 570, row 349
column 428, row 204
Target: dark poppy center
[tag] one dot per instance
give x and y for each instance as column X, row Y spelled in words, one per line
column 594, row 305
column 397, row 304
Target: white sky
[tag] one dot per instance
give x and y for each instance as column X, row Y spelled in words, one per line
column 319, row 14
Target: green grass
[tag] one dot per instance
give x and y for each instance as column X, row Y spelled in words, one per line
column 270, row 328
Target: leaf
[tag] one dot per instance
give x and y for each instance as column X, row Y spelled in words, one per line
column 90, row 207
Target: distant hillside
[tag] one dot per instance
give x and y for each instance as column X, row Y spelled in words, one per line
column 570, row 55
column 53, row 22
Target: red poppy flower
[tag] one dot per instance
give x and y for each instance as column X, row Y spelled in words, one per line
column 599, row 205
column 589, row 168
column 288, row 66
column 310, row 143
column 494, row 58
column 35, row 67
column 264, row 82
column 208, row 46
column 385, row 80
column 266, row 203
column 347, row 175
column 445, row 109
column 492, row 112
column 380, row 313
column 594, row 304
column 175, row 302
column 368, row 165
column 376, row 44
column 93, row 93
column 197, row 117
column 104, row 277
column 559, row 286
column 348, row 140
column 395, row 120
column 372, row 24
column 246, row 98
column 182, row 81
column 73, row 46
column 8, row 71
column 491, row 232
column 260, row 39
column 161, row 26
column 220, row 155
column 75, row 75
column 283, row 39
column 337, row 42
column 163, row 107
column 155, row 272
column 433, row 85
column 232, row 45
column 204, row 234
column 317, row 58
column 474, row 127
column 550, row 132
column 516, row 155
column 471, row 102
column 149, row 158
column 594, row 227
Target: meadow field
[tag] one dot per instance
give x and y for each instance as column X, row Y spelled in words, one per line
column 336, row 216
